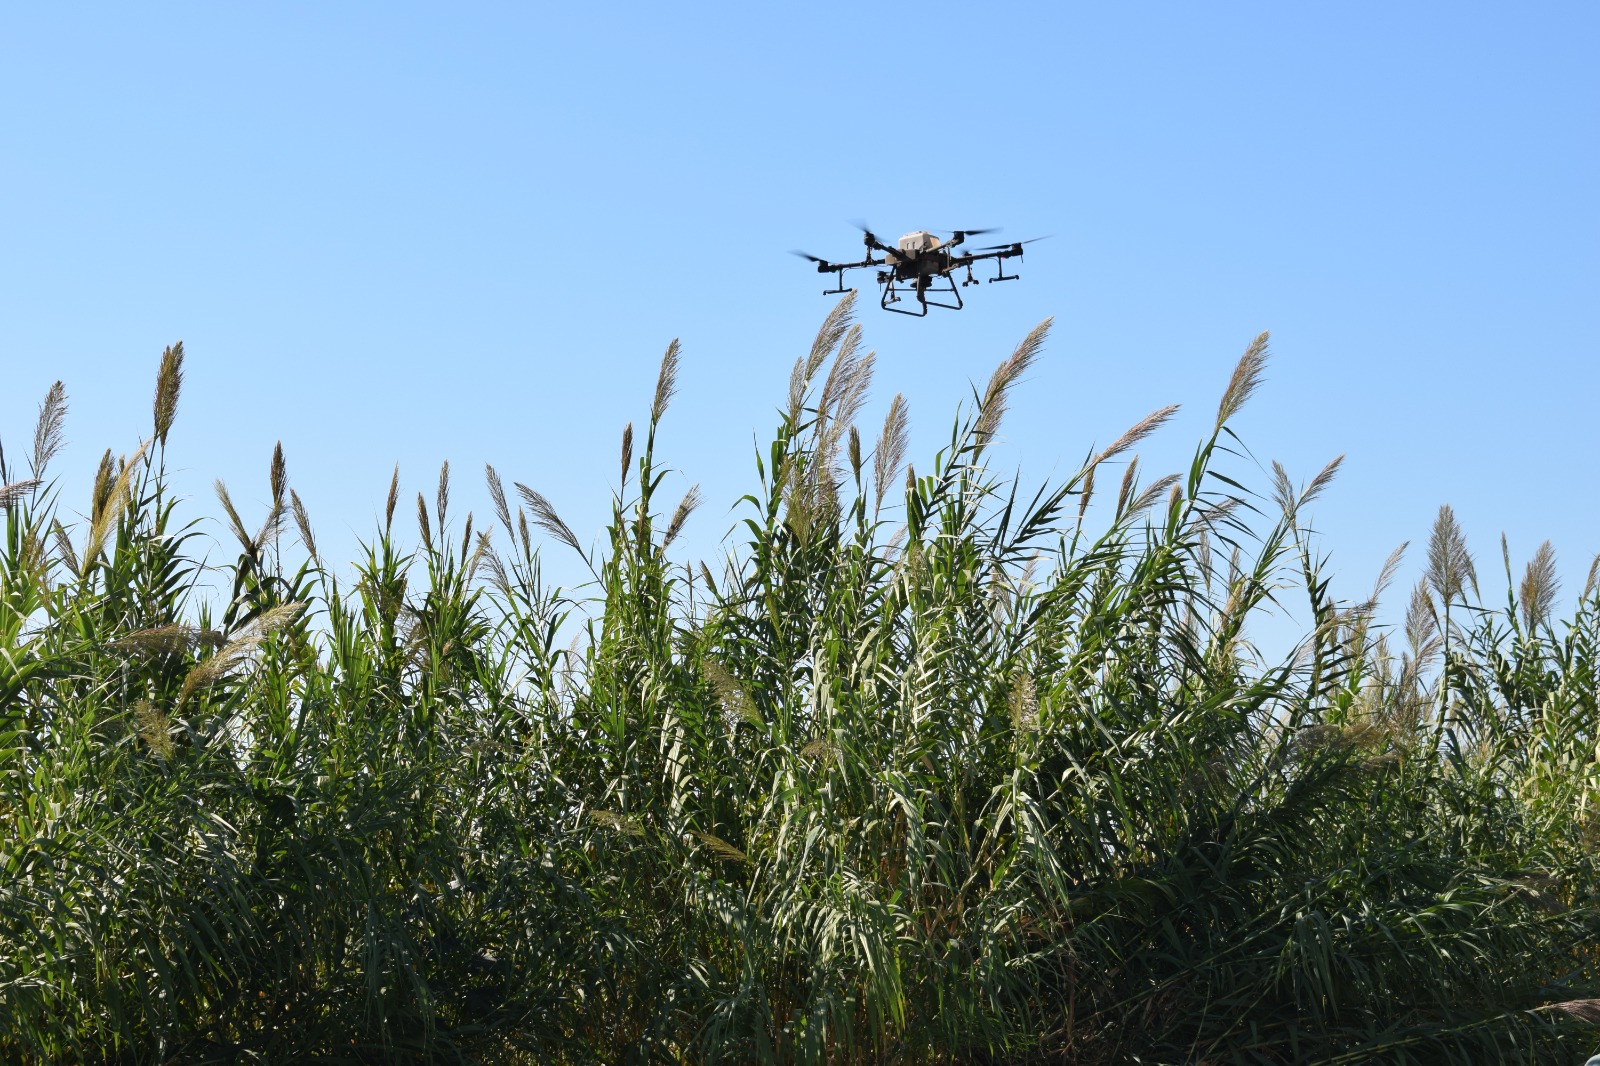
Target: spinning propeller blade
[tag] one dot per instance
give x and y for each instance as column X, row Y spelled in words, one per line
column 1013, row 244
column 808, row 255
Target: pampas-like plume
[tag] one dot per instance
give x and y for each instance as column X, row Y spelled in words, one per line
column 278, row 475
column 497, row 494
column 111, row 507
column 1594, row 578
column 829, row 337
column 1539, row 587
column 168, row 640
column 546, row 518
column 302, row 522
column 234, row 521
column 891, row 449
column 69, row 558
column 627, row 451
column 1130, row 477
column 154, row 728
column 992, row 408
column 442, row 498
column 686, row 506
column 1150, row 495
column 237, row 652
column 422, row 522
column 47, row 431
column 1246, row 379
column 666, row 383
column 735, row 699
column 1137, row 432
column 394, row 498
column 1086, row 493
column 1450, row 568
column 10, row 494
column 169, row 381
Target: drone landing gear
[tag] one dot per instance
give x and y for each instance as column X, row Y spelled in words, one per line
column 920, row 290
column 838, row 281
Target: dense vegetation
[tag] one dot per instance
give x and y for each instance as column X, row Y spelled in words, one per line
column 930, row 769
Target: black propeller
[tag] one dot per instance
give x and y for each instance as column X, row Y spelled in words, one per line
column 963, row 234
column 1013, row 244
column 808, row 255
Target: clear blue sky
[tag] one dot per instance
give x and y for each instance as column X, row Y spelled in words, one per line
column 416, row 232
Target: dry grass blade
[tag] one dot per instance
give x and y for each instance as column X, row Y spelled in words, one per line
column 686, row 506
column 666, row 383
column 47, row 431
column 546, row 518
column 1540, row 584
column 169, row 382
column 1246, row 379
column 1137, row 432
column 992, row 407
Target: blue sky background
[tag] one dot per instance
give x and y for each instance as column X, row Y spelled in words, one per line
column 416, row 232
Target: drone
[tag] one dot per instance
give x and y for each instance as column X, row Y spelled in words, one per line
column 924, row 266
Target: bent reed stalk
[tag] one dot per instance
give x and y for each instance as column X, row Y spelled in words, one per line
column 926, row 771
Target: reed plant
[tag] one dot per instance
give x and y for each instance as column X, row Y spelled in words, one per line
column 930, row 768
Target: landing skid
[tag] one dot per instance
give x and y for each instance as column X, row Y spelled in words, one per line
column 891, row 296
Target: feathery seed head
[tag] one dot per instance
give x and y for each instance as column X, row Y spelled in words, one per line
column 47, row 431
column 1540, row 584
column 992, row 408
column 1450, row 568
column 1246, row 379
column 627, row 451
column 441, row 499
column 686, row 506
column 169, row 381
column 394, row 498
column 666, row 383
column 302, row 522
column 278, row 476
column 497, row 494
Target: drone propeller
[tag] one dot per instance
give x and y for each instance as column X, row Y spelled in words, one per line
column 1013, row 244
column 963, row 234
column 807, row 255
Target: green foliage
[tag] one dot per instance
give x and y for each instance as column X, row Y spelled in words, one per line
column 929, row 770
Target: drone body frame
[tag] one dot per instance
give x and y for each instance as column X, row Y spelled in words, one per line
column 925, row 265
